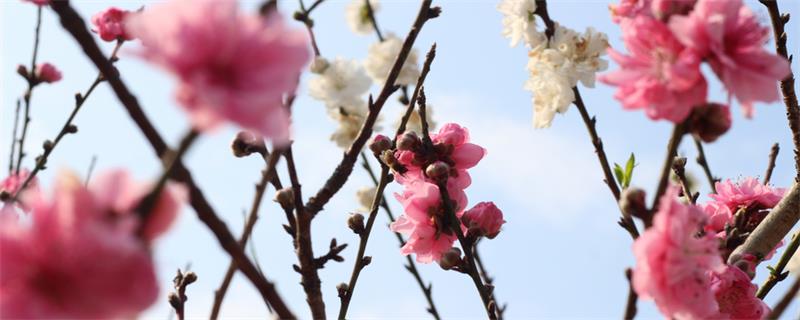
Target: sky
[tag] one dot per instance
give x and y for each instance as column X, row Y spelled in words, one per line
column 560, row 254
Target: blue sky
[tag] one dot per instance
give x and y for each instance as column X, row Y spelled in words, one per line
column 561, row 254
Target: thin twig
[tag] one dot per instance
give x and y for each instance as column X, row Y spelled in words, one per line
column 672, row 151
column 703, row 162
column 489, row 282
column 268, row 174
column 773, row 156
column 679, row 168
column 776, row 273
column 75, row 25
column 304, row 16
column 787, row 84
column 90, row 170
column 411, row 266
column 177, row 299
column 787, row 299
column 14, row 139
column 345, row 167
column 68, row 127
column 32, row 82
column 630, row 306
column 371, row 14
column 385, row 178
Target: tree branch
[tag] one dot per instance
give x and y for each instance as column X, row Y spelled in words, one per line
column 773, row 155
column 703, row 162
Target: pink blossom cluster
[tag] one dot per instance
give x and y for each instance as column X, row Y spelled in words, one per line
column 667, row 41
column 83, row 253
column 747, row 194
column 230, row 66
column 680, row 267
column 424, row 169
column 10, row 186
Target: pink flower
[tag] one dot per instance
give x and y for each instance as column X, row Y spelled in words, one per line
column 38, row 2
column 660, row 9
column 748, row 193
column 452, row 147
column 659, row 75
column 672, row 261
column 736, row 295
column 230, row 66
column 485, row 218
column 729, row 36
column 12, row 183
column 110, row 24
column 75, row 259
column 117, row 191
column 46, row 72
column 428, row 236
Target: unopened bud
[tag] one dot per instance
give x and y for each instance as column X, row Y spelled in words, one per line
column 380, row 143
column 438, row 171
column 285, row 197
column 450, row 259
column 319, row 65
column 408, row 141
column 72, row 128
column 356, row 223
column 246, row 143
column 710, row 121
column 389, row 159
column 23, row 71
column 174, row 300
column 632, row 202
column 342, row 289
column 47, row 145
column 366, row 260
column 189, row 278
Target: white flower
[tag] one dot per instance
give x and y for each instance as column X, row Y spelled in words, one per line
column 365, row 195
column 343, row 82
column 358, row 16
column 586, row 57
column 350, row 118
column 414, row 121
column 381, row 57
column 519, row 22
column 550, row 84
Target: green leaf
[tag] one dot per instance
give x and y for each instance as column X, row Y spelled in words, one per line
column 619, row 174
column 629, row 170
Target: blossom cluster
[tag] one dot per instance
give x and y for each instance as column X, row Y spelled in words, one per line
column 83, row 252
column 667, row 43
column 555, row 65
column 680, row 260
column 422, row 169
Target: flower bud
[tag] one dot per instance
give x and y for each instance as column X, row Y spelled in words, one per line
column 450, row 258
column 408, row 141
column 46, row 72
column 438, row 171
column 245, row 143
column 632, row 202
column 342, row 289
column 319, row 65
column 380, row 143
column 23, row 71
column 710, row 121
column 390, row 160
column 484, row 219
column 356, row 223
column 72, row 128
column 47, row 145
column 285, row 197
column 189, row 278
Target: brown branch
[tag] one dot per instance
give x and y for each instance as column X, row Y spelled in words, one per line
column 672, row 151
column 304, row 16
column 787, row 299
column 703, row 162
column 630, row 305
column 787, row 84
column 14, row 139
column 371, row 14
column 32, row 83
column 345, row 167
column 305, row 251
column 411, row 266
column 489, row 282
column 679, row 168
column 773, row 155
column 626, row 221
column 268, row 174
column 75, row 25
column 67, row 128
column 177, row 299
